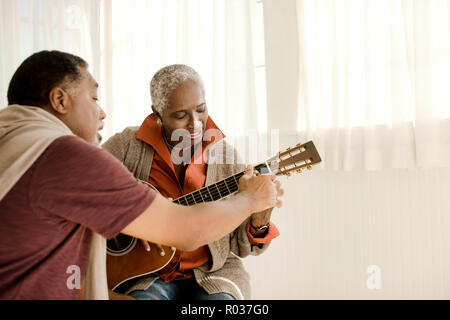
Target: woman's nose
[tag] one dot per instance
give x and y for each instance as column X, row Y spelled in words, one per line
column 193, row 122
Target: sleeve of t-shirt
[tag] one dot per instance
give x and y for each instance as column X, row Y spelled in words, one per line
column 85, row 184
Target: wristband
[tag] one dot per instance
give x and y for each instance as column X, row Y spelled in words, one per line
column 260, row 228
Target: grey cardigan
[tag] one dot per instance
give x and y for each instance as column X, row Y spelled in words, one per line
column 225, row 273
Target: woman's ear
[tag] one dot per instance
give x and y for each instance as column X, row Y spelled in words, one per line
column 59, row 100
column 155, row 112
column 158, row 116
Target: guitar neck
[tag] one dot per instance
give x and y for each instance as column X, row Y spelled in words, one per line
column 217, row 190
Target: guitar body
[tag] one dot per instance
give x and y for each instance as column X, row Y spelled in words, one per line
column 127, row 258
column 132, row 261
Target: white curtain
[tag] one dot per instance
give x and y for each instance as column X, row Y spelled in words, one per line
column 374, row 82
column 126, row 42
column 28, row 26
column 336, row 224
column 214, row 37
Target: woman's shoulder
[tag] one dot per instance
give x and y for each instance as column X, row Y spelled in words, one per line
column 121, row 140
column 226, row 156
column 129, row 132
column 223, row 147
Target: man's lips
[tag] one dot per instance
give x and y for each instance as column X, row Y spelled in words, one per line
column 99, row 136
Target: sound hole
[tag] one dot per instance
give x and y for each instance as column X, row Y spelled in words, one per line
column 121, row 244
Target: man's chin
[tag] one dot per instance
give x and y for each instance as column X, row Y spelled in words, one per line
column 97, row 139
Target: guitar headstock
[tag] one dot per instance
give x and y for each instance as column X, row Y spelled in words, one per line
column 294, row 159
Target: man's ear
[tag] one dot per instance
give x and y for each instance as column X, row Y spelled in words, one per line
column 59, row 100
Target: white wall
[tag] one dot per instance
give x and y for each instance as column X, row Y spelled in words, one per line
column 335, row 224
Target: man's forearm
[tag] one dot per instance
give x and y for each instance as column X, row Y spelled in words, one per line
column 187, row 228
column 213, row 220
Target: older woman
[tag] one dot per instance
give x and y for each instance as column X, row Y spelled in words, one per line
column 153, row 153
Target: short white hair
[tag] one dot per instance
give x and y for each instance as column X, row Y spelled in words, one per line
column 166, row 80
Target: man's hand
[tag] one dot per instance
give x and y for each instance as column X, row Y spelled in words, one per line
column 262, row 190
column 263, row 217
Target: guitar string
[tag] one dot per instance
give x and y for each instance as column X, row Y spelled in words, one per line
column 223, row 187
column 215, row 192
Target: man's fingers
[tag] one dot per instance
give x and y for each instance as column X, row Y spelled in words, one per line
column 279, row 204
column 249, row 170
column 280, row 191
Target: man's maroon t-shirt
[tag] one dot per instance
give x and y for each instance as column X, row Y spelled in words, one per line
column 47, row 218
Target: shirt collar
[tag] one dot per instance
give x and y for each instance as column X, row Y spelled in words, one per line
column 151, row 133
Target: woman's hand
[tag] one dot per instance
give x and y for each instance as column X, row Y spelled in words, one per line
column 161, row 250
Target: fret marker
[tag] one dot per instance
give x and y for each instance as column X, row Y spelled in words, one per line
column 268, row 167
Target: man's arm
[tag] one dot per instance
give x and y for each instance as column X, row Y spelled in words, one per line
column 188, row 228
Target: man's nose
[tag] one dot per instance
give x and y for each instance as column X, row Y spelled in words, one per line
column 102, row 114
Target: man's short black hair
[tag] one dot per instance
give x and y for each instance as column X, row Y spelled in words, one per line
column 40, row 73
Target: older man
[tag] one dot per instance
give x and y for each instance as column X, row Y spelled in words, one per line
column 57, row 188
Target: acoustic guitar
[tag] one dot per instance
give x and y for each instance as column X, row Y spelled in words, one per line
column 126, row 256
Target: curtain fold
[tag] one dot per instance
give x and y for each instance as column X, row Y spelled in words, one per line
column 374, row 79
column 214, row 37
column 126, row 42
column 28, row 26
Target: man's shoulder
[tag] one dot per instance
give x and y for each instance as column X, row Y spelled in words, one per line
column 73, row 150
column 69, row 143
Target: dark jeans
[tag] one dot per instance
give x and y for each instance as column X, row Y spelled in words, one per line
column 186, row 289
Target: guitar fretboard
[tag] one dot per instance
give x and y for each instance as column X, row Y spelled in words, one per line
column 216, row 190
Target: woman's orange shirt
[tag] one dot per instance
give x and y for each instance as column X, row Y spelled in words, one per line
column 164, row 178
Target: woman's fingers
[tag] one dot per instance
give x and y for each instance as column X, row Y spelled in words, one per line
column 146, row 245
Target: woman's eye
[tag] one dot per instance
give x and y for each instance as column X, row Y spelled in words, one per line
column 180, row 116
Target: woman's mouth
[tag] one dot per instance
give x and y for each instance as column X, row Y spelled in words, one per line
column 196, row 135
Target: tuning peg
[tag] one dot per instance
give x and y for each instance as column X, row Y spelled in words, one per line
column 308, row 167
column 299, row 170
